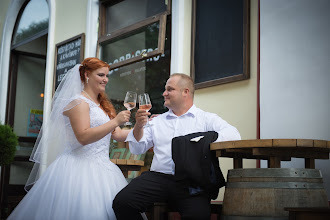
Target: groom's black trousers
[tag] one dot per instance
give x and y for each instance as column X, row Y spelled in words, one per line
column 142, row 192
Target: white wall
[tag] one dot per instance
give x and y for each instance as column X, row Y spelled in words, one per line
column 181, row 36
column 295, row 73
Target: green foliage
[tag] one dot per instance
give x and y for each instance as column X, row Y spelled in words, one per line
column 31, row 30
column 8, row 143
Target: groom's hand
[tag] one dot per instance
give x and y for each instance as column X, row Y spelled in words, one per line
column 141, row 118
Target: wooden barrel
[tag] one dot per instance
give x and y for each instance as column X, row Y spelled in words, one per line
column 263, row 193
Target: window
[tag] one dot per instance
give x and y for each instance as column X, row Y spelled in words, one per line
column 220, row 51
column 135, row 39
column 32, row 22
column 134, row 44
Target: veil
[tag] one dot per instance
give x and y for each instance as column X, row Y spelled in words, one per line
column 52, row 139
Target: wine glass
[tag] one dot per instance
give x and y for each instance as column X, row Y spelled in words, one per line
column 145, row 104
column 130, row 103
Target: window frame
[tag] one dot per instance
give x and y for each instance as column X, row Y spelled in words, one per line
column 246, row 51
column 103, row 36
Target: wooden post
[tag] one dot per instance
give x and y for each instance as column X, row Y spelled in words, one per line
column 274, row 162
column 309, row 163
column 238, row 163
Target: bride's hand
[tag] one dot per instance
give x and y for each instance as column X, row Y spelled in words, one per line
column 123, row 117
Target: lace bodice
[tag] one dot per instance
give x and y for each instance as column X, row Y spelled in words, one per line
column 97, row 118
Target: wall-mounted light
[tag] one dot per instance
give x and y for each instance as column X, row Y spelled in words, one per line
column 41, row 95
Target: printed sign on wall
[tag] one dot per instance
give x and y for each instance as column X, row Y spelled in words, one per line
column 34, row 122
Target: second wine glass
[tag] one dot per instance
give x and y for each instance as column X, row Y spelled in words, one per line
column 130, row 103
column 145, row 104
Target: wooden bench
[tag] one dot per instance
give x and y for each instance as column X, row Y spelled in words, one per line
column 128, row 165
column 161, row 211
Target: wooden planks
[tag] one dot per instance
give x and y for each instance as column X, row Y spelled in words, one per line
column 273, row 150
column 242, row 144
column 271, row 143
column 127, row 162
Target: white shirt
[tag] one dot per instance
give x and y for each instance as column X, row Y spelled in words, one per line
column 167, row 126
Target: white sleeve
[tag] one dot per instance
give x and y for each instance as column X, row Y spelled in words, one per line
column 139, row 147
column 225, row 131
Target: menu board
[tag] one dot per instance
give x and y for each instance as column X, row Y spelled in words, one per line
column 68, row 54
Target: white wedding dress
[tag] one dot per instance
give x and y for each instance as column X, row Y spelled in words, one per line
column 80, row 184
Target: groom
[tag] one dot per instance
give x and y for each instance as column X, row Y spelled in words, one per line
column 158, row 184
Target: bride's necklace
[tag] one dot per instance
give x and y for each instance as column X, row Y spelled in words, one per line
column 91, row 98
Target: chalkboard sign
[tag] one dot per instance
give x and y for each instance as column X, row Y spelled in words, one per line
column 220, row 52
column 68, row 54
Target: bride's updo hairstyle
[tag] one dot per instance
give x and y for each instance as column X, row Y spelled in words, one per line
column 89, row 65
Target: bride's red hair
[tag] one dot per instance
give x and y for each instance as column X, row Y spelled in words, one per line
column 89, row 65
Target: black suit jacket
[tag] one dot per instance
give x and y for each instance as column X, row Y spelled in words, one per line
column 195, row 164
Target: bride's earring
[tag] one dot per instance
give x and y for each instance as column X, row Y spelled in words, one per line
column 87, row 80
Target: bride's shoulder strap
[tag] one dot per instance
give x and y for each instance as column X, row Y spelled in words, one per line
column 77, row 100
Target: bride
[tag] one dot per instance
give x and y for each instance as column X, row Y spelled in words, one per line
column 81, row 183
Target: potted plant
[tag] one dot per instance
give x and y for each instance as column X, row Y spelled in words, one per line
column 8, row 143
